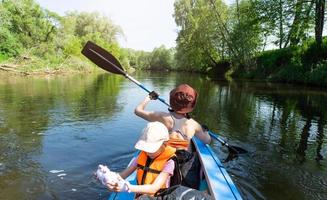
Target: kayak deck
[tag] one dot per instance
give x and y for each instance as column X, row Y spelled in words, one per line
column 216, row 179
column 219, row 182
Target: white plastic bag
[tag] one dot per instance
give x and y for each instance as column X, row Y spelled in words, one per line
column 106, row 176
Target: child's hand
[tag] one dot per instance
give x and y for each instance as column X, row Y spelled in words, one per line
column 123, row 185
column 113, row 186
column 120, row 186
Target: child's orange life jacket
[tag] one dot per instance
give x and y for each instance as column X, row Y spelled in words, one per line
column 148, row 169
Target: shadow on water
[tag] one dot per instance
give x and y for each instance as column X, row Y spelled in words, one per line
column 54, row 131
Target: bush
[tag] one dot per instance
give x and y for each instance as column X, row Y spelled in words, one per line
column 3, row 57
column 318, row 75
column 302, row 64
column 270, row 62
column 72, row 46
column 9, row 44
column 312, row 53
column 294, row 72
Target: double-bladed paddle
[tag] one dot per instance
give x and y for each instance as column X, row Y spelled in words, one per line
column 108, row 62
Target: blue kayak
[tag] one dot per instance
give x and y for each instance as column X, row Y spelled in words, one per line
column 216, row 180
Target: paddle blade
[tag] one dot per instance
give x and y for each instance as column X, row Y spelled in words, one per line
column 102, row 58
column 232, row 149
column 236, row 150
column 230, row 157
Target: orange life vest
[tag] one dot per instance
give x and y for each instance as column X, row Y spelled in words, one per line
column 148, row 171
column 178, row 143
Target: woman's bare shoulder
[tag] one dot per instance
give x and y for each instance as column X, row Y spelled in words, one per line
column 162, row 114
column 193, row 122
column 163, row 117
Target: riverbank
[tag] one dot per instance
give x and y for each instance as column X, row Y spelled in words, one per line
column 306, row 64
column 25, row 65
column 31, row 65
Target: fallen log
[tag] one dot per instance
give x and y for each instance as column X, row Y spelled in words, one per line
column 11, row 68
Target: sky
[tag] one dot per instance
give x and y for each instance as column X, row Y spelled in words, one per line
column 146, row 23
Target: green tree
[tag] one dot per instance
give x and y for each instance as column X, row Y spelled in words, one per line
column 9, row 44
column 52, row 41
column 27, row 21
column 86, row 26
column 211, row 33
column 199, row 44
column 289, row 21
column 143, row 59
column 24, row 23
column 76, row 28
column 245, row 33
column 161, row 58
column 138, row 59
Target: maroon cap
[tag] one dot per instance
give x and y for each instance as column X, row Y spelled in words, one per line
column 183, row 98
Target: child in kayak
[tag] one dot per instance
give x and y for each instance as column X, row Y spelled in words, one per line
column 181, row 126
column 156, row 165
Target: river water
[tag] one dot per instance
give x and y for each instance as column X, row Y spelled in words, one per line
column 55, row 130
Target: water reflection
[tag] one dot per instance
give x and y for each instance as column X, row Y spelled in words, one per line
column 284, row 125
column 73, row 123
column 98, row 98
column 31, row 107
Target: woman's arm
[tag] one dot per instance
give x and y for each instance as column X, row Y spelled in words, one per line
column 202, row 135
column 140, row 109
column 150, row 116
column 151, row 188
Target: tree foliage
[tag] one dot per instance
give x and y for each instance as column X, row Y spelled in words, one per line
column 210, row 32
column 24, row 24
column 138, row 59
column 54, row 41
column 76, row 28
column 289, row 21
column 160, row 58
column 199, row 45
column 211, row 35
column 29, row 30
column 27, row 21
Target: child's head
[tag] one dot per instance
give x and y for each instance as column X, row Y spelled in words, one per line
column 152, row 139
column 183, row 99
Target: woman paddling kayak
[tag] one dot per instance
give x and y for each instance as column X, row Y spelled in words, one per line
column 181, row 127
